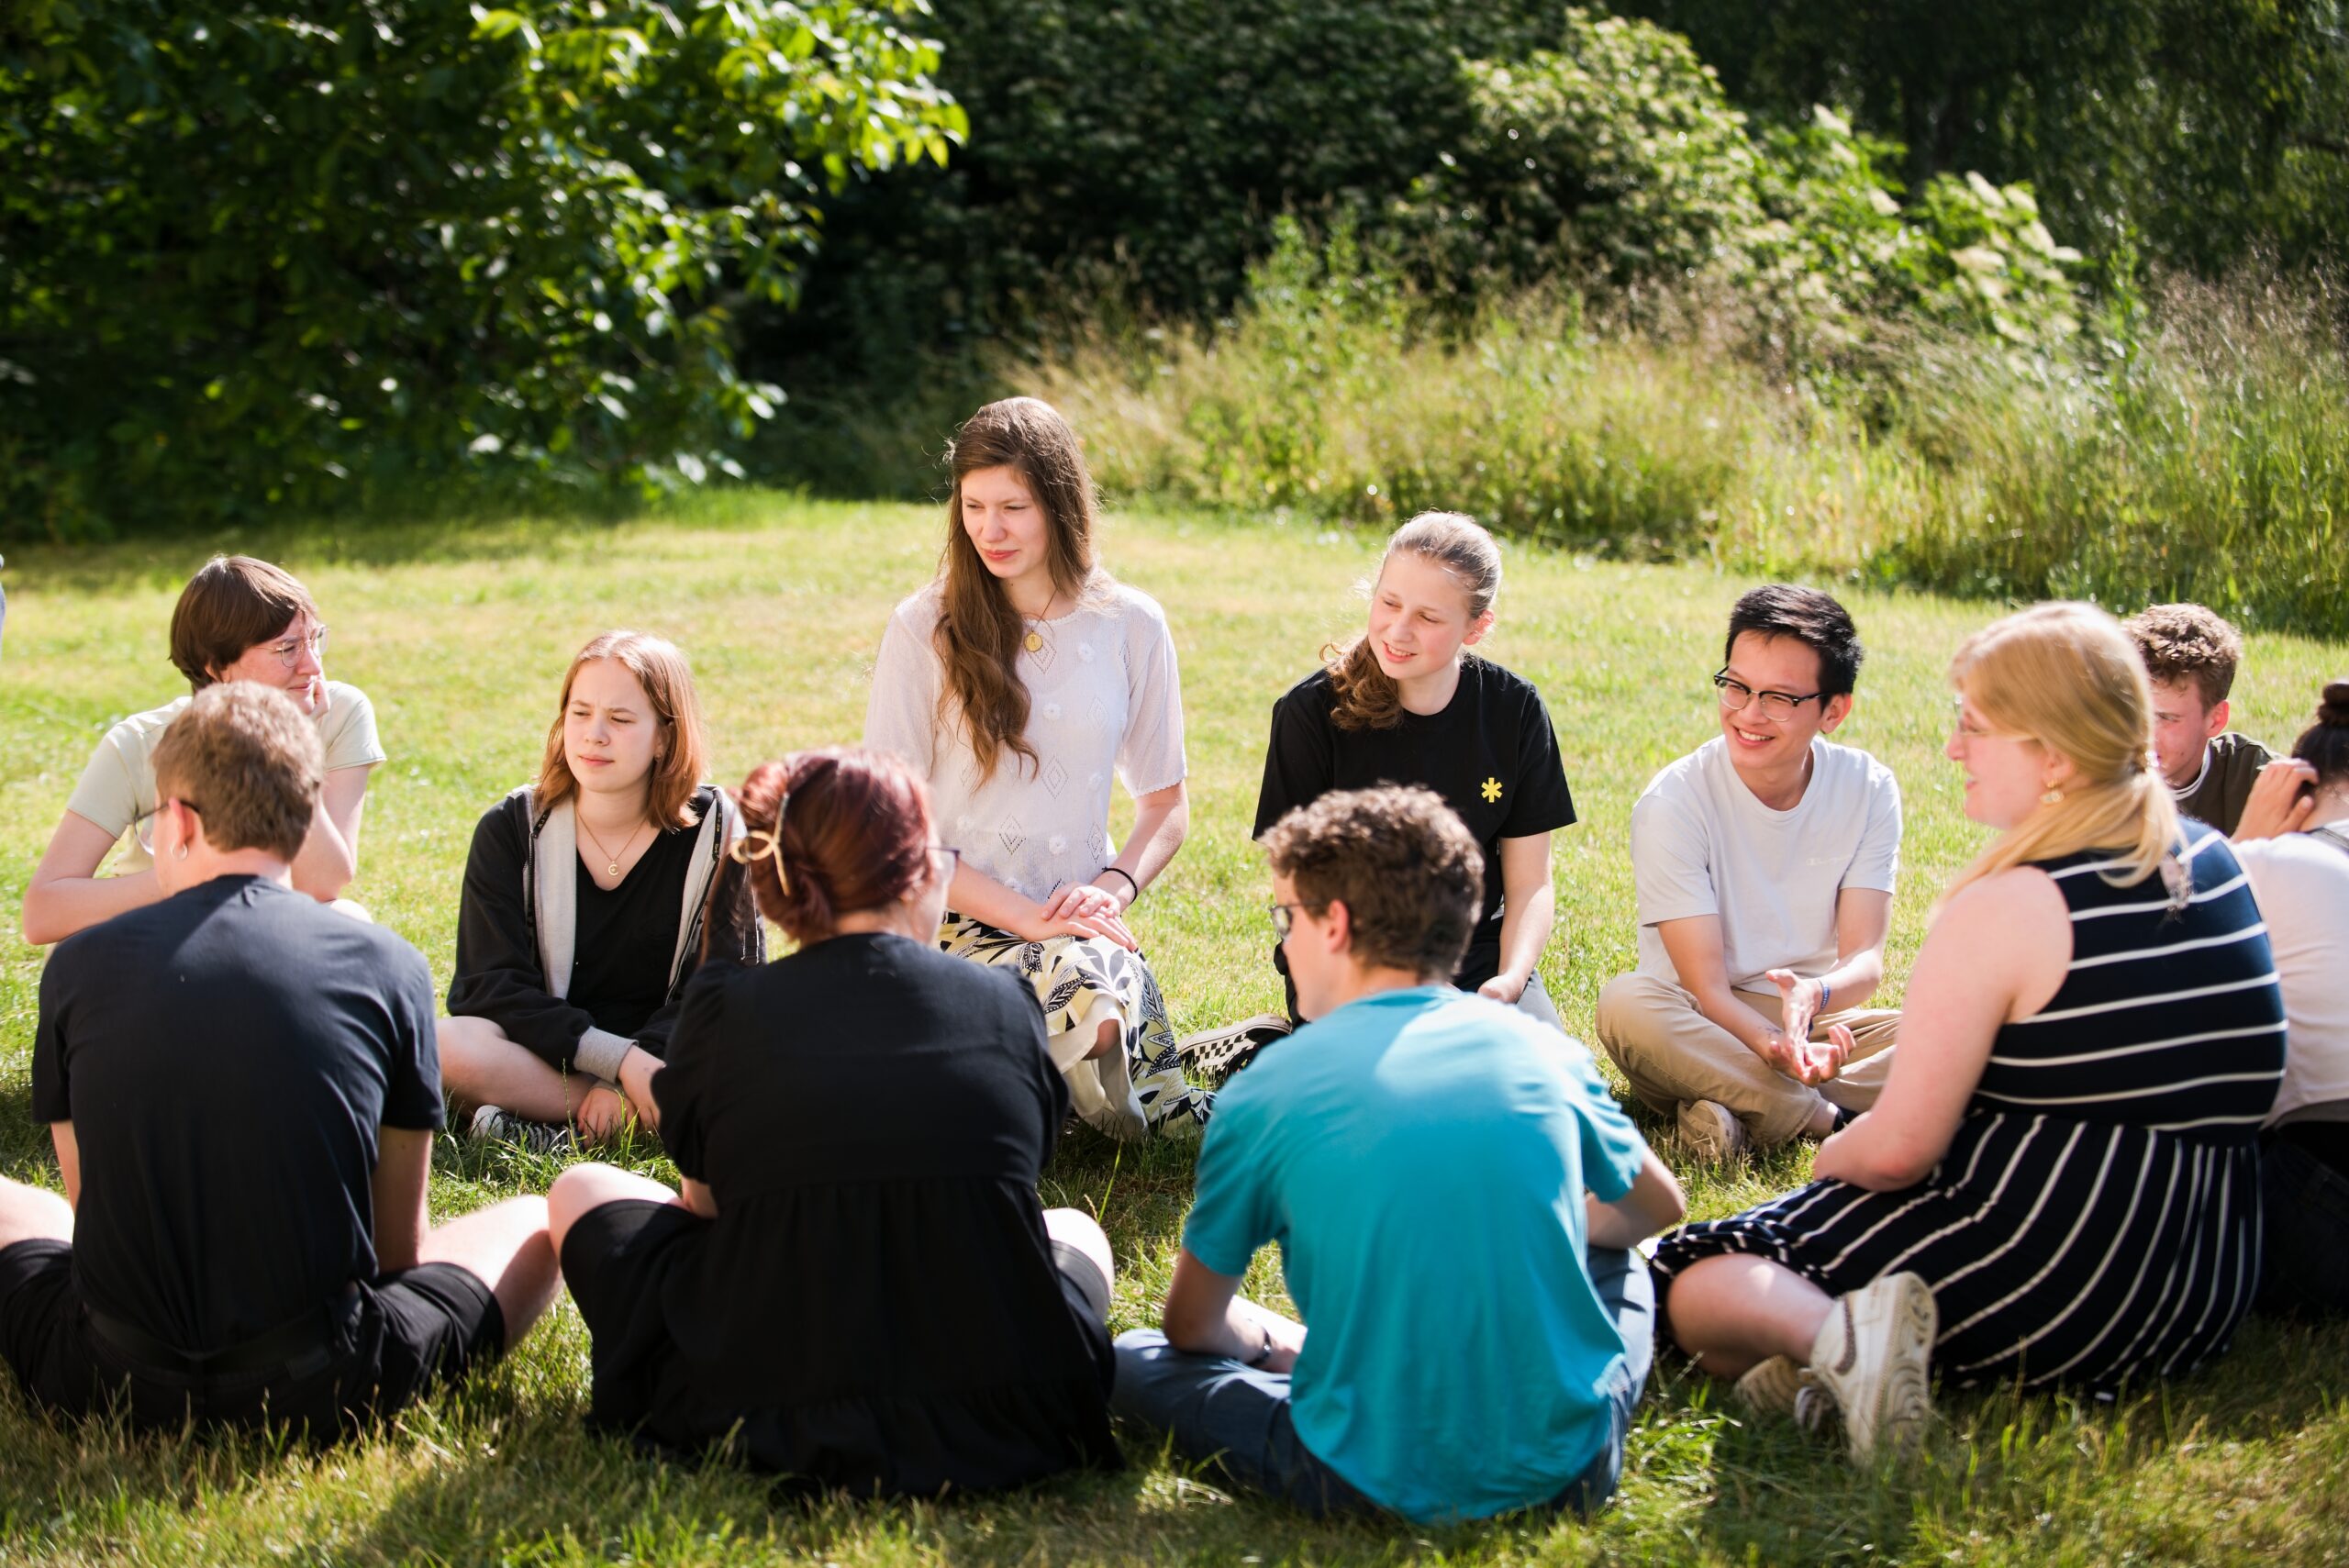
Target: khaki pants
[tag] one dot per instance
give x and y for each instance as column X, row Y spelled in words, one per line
column 1673, row 1053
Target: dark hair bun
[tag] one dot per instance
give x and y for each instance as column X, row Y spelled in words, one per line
column 2333, row 710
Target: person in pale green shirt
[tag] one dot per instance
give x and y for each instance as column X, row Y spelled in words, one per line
column 238, row 619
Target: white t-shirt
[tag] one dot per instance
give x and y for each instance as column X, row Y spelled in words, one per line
column 1104, row 696
column 117, row 789
column 1702, row 844
column 2302, row 885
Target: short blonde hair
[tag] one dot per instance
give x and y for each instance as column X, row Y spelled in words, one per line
column 668, row 683
column 2067, row 676
column 250, row 764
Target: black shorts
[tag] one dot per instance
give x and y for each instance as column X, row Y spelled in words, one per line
column 397, row 1335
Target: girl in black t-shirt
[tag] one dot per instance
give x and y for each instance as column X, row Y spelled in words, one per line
column 584, row 904
column 1407, row 702
column 857, row 1285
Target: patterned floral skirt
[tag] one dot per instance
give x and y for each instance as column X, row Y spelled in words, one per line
column 1133, row 1092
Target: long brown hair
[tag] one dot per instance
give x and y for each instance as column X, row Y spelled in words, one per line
column 2067, row 676
column 1367, row 696
column 827, row 833
column 668, row 683
column 978, row 632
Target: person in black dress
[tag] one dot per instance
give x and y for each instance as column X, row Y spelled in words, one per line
column 241, row 1086
column 857, row 1286
column 584, row 902
column 2060, row 1183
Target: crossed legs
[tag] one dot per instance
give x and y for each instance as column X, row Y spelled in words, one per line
column 481, row 1067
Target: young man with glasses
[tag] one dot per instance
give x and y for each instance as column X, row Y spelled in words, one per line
column 1763, row 864
column 1455, row 1198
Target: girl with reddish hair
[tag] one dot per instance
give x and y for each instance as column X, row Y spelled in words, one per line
column 583, row 911
column 1019, row 684
column 875, row 1303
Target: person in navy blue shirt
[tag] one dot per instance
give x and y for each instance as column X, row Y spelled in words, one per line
column 1454, row 1198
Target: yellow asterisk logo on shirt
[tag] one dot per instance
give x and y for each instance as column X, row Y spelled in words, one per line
column 1492, row 790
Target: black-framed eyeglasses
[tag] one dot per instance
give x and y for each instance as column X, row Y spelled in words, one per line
column 1284, row 915
column 1736, row 696
column 954, row 857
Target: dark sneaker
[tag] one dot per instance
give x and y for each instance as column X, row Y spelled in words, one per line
column 1216, row 1054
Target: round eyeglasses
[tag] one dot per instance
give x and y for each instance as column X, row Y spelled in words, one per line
column 289, row 650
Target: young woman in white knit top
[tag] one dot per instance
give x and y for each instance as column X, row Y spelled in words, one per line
column 1018, row 682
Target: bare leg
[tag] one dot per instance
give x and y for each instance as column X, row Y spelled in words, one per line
column 32, row 1214
column 584, row 1187
column 1731, row 1312
column 481, row 1067
column 505, row 1247
column 1079, row 1231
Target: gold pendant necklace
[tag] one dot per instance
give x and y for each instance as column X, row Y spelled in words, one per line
column 612, row 869
column 1034, row 642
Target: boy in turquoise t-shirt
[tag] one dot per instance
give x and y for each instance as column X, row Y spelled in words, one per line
column 1454, row 1198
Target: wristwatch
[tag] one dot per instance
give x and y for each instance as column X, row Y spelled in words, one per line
column 1261, row 1357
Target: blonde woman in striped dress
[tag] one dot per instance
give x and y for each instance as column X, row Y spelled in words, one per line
column 2060, row 1180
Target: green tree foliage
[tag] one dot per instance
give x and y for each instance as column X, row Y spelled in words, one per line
column 1143, row 147
column 255, row 252
column 2208, row 128
column 1617, row 160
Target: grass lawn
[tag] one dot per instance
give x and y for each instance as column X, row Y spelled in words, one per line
column 458, row 634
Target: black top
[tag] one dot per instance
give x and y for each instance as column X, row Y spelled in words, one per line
column 631, row 933
column 875, row 1304
column 620, row 938
column 226, row 1057
column 1490, row 753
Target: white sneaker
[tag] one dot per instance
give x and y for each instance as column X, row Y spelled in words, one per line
column 493, row 1124
column 1873, row 1357
column 1780, row 1388
column 1711, row 1132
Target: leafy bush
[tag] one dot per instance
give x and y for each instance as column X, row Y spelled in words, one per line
column 1613, row 157
column 262, row 254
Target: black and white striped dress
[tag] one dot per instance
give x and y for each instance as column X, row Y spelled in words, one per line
column 2096, row 1216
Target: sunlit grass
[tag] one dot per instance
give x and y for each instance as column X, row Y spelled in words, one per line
column 459, row 634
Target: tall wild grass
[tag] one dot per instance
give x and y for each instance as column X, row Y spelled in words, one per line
column 2193, row 443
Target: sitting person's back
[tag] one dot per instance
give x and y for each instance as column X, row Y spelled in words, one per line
column 243, row 1088
column 226, row 1057
column 1419, row 1156
column 879, row 1304
column 2293, row 841
column 1454, row 1196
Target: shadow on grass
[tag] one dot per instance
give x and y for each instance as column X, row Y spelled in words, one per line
column 387, row 539
column 556, row 1493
